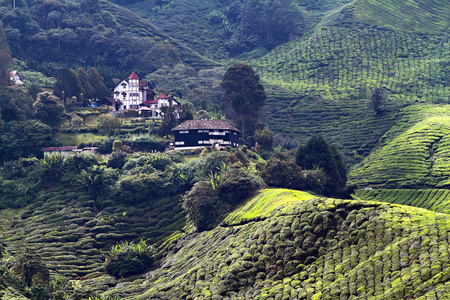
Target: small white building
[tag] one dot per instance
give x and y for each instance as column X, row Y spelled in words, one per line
column 160, row 101
column 15, row 78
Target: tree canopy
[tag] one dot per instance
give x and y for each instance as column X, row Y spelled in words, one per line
column 5, row 58
column 244, row 97
column 316, row 153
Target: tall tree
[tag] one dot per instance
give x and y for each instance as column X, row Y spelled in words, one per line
column 67, row 84
column 84, row 80
column 5, row 58
column 316, row 153
column 48, row 110
column 169, row 120
column 244, row 97
column 97, row 82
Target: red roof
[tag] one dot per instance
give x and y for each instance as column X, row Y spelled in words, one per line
column 51, row 149
column 149, row 102
column 163, row 96
column 133, row 76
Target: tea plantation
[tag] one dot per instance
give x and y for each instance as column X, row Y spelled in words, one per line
column 296, row 246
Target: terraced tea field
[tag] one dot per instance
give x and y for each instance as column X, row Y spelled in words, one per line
column 432, row 199
column 72, row 239
column 316, row 249
column 346, row 63
column 410, row 154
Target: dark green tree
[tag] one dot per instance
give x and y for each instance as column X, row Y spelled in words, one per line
column 84, row 80
column 97, row 82
column 376, row 101
column 244, row 97
column 24, row 139
column 200, row 205
column 48, row 110
column 169, row 120
column 283, row 173
column 107, row 124
column 67, row 84
column 5, row 59
column 30, row 268
column 316, row 153
column 264, row 138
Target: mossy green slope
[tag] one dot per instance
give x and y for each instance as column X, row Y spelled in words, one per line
column 420, row 16
column 318, row 249
column 436, row 200
column 411, row 154
column 63, row 228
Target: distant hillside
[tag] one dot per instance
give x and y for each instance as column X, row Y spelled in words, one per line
column 48, row 35
column 414, row 153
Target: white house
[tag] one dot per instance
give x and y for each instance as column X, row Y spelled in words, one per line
column 160, row 101
column 131, row 92
column 15, row 78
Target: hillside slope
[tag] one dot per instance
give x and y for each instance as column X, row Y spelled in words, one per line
column 414, row 152
column 324, row 78
column 288, row 243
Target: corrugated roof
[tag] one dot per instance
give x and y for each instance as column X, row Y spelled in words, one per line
column 66, row 148
column 204, row 124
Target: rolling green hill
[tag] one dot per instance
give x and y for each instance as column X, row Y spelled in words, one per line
column 413, row 153
column 431, row 199
column 300, row 247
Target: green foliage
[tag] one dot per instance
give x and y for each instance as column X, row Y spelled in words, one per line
column 30, row 268
column 284, row 173
column 264, row 138
column 129, row 258
column 376, row 101
column 99, row 89
column 169, row 120
column 316, row 153
column 52, row 168
column 108, row 125
column 68, row 85
column 117, row 145
column 117, row 160
column 244, row 97
column 5, row 59
column 200, row 204
column 48, row 110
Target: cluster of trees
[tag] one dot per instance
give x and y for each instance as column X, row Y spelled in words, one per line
column 249, row 24
column 50, row 35
column 5, row 58
column 81, row 85
column 26, row 125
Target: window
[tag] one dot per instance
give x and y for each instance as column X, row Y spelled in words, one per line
column 200, row 131
column 179, row 143
column 200, row 142
column 184, row 131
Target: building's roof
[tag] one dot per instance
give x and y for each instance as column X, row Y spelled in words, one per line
column 133, row 76
column 149, row 102
column 204, row 124
column 143, row 84
column 66, row 148
column 163, row 96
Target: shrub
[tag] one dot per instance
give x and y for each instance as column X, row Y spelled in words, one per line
column 117, row 160
column 134, row 189
column 235, row 186
column 283, row 173
column 315, row 180
column 200, row 205
column 129, row 258
column 117, row 145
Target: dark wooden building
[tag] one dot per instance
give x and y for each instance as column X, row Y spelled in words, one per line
column 201, row 133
